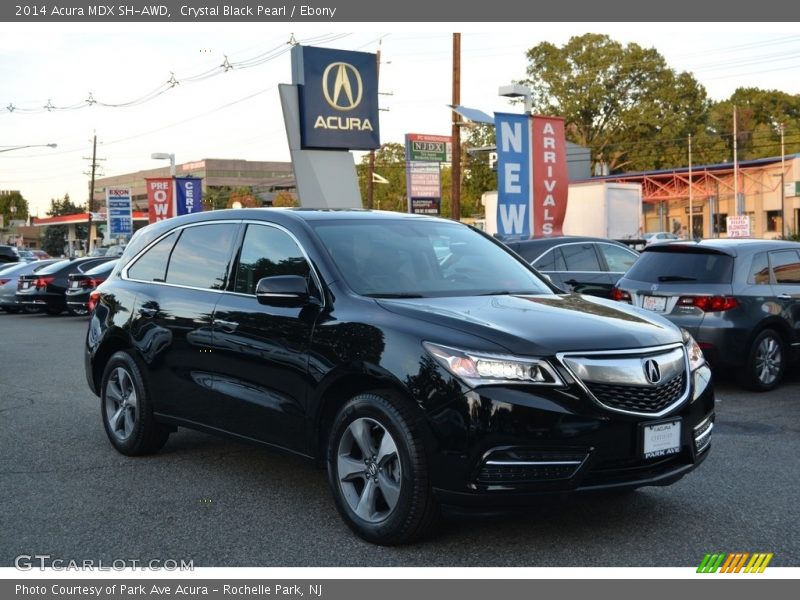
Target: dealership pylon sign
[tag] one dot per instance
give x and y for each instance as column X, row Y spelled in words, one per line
column 531, row 174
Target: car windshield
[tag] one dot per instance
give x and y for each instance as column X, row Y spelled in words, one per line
column 680, row 266
column 401, row 259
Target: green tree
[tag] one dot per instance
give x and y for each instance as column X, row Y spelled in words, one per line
column 623, row 102
column 390, row 163
column 15, row 199
column 54, row 235
column 217, row 198
column 478, row 176
column 759, row 114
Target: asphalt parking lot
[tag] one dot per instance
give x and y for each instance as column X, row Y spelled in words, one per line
column 65, row 492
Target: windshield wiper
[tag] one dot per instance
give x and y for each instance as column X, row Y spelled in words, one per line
column 509, row 293
column 676, row 278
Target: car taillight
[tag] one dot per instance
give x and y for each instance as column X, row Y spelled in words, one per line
column 4, row 281
column 94, row 298
column 620, row 295
column 709, row 303
column 43, row 282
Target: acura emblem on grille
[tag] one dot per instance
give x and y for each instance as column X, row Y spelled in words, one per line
column 652, row 371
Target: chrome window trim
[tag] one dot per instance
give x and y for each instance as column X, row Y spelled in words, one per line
column 633, row 352
column 132, row 261
column 124, row 272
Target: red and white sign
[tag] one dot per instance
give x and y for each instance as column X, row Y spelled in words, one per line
column 549, row 175
column 738, row 226
column 160, row 199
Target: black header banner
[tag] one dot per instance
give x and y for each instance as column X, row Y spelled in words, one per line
column 364, row 11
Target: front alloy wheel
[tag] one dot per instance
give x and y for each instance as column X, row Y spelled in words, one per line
column 378, row 469
column 369, row 470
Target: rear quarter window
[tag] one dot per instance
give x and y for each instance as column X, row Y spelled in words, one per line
column 694, row 265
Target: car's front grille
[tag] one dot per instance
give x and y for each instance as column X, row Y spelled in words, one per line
column 649, row 382
column 639, row 398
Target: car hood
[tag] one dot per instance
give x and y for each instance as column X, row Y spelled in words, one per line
column 542, row 325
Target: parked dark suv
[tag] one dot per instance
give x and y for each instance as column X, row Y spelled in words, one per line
column 740, row 299
column 9, row 254
column 342, row 336
column 585, row 265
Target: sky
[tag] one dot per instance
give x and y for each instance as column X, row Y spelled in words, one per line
column 179, row 99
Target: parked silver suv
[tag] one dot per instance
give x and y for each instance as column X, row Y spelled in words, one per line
column 740, row 299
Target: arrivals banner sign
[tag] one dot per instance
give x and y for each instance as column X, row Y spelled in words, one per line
column 549, row 175
column 188, row 195
column 513, row 175
column 338, row 96
column 160, row 203
column 119, row 211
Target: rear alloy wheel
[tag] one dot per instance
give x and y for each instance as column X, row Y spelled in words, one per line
column 378, row 472
column 766, row 362
column 126, row 409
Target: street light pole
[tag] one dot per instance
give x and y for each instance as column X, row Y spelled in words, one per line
column 783, row 186
column 10, row 148
column 166, row 156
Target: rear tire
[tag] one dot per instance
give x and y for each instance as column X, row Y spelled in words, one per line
column 766, row 361
column 378, row 470
column 127, row 409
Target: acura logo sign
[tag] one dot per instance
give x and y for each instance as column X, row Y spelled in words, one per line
column 652, row 371
column 342, row 86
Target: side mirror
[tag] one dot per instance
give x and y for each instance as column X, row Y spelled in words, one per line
column 283, row 290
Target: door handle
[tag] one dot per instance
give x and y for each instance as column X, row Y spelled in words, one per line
column 226, row 326
column 787, row 296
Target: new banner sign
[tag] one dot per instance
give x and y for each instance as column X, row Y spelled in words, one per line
column 119, row 211
column 338, row 94
column 531, row 174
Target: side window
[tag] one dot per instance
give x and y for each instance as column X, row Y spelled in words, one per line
column 580, row 257
column 618, row 259
column 759, row 270
column 152, row 265
column 267, row 251
column 546, row 262
column 202, row 256
column 785, row 266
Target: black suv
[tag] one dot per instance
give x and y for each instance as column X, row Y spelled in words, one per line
column 9, row 254
column 740, row 299
column 419, row 360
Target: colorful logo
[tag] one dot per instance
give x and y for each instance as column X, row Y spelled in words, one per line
column 737, row 562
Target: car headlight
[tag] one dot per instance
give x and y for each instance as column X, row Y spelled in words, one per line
column 693, row 350
column 477, row 368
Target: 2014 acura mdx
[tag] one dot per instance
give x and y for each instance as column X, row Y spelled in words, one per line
column 420, row 361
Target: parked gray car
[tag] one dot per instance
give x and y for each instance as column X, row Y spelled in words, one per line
column 8, row 282
column 740, row 299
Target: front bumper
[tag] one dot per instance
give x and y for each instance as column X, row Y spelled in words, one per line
column 518, row 445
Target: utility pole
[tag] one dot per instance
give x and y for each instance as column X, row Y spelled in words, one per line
column 455, row 200
column 91, row 193
column 783, row 184
column 371, row 167
column 739, row 205
column 691, row 204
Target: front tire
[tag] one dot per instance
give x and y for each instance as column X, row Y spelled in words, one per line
column 378, row 470
column 127, row 409
column 766, row 361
